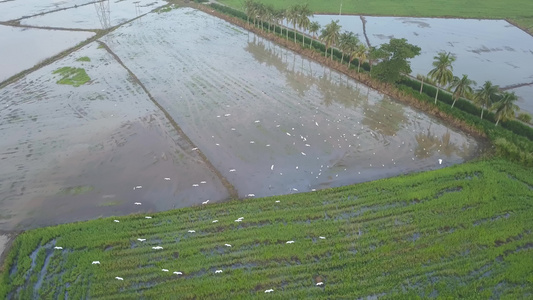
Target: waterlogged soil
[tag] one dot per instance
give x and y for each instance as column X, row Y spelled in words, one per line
column 16, row 9
column 271, row 121
column 485, row 49
column 22, row 48
column 77, row 153
column 102, row 15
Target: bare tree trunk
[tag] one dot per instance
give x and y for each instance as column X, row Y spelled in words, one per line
column 421, row 85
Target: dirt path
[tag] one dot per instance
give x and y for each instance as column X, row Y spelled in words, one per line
column 231, row 189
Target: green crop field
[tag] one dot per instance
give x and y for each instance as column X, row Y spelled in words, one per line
column 458, row 232
column 519, row 11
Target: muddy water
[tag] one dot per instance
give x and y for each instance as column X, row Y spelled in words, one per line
column 95, row 16
column 271, row 121
column 23, row 48
column 486, row 49
column 73, row 154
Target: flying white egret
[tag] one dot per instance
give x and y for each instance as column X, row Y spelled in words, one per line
column 205, row 202
column 116, row 221
column 58, row 248
column 164, row 270
column 119, row 278
column 227, row 245
column 218, row 271
column 289, row 242
column 269, row 291
column 137, row 203
column 141, row 240
column 147, row 217
column 215, row 221
column 177, row 273
column 157, row 248
column 96, row 262
column 319, row 283
column 191, row 231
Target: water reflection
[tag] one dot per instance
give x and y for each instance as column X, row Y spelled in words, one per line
column 385, row 117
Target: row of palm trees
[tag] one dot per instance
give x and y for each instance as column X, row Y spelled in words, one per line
column 488, row 96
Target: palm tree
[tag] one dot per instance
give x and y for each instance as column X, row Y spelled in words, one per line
column 269, row 16
column 442, row 73
column 463, row 87
column 361, row 53
column 505, row 108
column 248, row 9
column 303, row 19
column 314, row 27
column 486, row 95
column 292, row 16
column 330, row 35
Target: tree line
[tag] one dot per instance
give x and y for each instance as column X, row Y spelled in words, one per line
column 388, row 62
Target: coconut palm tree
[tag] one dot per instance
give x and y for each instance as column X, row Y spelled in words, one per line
column 303, row 19
column 314, row 27
column 505, row 108
column 442, row 71
column 462, row 86
column 361, row 53
column 293, row 14
column 330, row 35
column 486, row 95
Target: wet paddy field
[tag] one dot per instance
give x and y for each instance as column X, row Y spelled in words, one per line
column 182, row 108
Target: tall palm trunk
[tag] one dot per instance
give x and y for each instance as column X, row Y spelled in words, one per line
column 421, row 85
column 359, row 65
column 436, row 95
column 482, row 109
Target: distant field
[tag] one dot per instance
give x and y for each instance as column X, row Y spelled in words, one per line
column 519, row 11
column 459, row 232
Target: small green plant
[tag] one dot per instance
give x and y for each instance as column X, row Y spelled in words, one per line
column 72, row 76
column 84, row 58
column 524, row 117
column 76, row 190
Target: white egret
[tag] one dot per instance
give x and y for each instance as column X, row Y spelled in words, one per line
column 139, row 187
column 191, row 231
column 193, row 149
column 196, row 184
column 177, row 273
column 141, row 240
column 137, row 203
column 119, row 278
column 252, row 142
column 238, row 220
column 322, row 237
column 227, row 115
column 251, row 195
column 215, row 221
column 232, row 170
column 58, row 248
column 277, row 201
column 205, row 202
column 269, row 291
column 288, row 134
column 147, row 217
column 167, row 179
column 440, row 161
column 96, row 262
column 218, row 271
column 303, row 153
column 272, row 167
column 289, row 242
column 257, row 121
column 319, row 283
column 116, row 221
column 164, row 270
column 203, row 182
column 227, row 245
column 157, row 248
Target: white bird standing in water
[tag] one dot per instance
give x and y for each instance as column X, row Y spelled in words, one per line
column 440, row 161
column 205, row 202
column 137, row 203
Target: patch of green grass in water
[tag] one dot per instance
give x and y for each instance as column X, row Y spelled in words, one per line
column 110, row 203
column 76, row 190
column 72, row 76
column 84, row 58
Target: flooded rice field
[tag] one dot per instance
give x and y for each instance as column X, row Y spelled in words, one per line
column 22, row 48
column 485, row 49
column 181, row 108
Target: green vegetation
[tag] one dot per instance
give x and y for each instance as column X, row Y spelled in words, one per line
column 461, row 232
column 519, row 12
column 393, row 58
column 76, row 190
column 72, row 76
column 84, row 58
column 166, row 8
